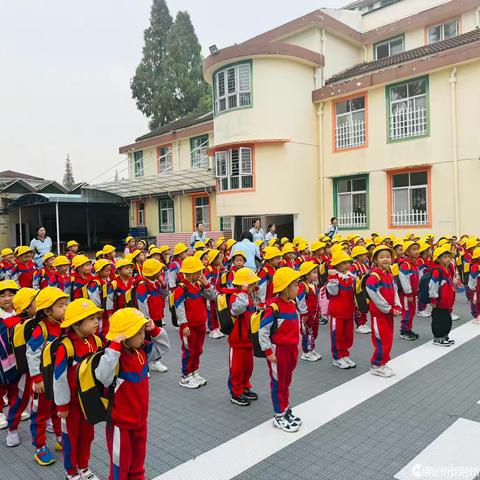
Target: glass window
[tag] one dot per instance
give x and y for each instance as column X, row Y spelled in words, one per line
column 234, row 168
column 165, row 159
column 233, row 87
column 199, row 148
column 141, row 214
column 166, row 214
column 350, row 123
column 410, row 198
column 449, row 29
column 202, row 211
column 389, row 47
column 352, row 202
column 138, row 163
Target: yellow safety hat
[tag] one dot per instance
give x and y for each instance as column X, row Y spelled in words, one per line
column 151, row 247
column 378, row 240
column 315, row 246
column 409, row 244
column 80, row 260
column 296, row 240
column 200, row 253
column 307, row 267
column 273, row 241
column 220, row 241
column 163, row 248
column 127, row 321
column 108, row 249
column 151, row 267
column 442, row 241
column 284, row 240
column 207, row 239
column 258, row 242
column 399, row 243
column 424, row 246
column 72, row 243
column 135, row 254
column 337, row 247
column 99, row 253
column 245, row 276
column 239, row 252
column 23, row 298
column 440, row 251
column 123, row 262
column 61, row 260
column 48, row 296
column 129, row 239
column 22, row 250
column 369, row 244
column 154, row 251
column 359, row 250
column 8, row 285
column 5, row 252
column 288, row 248
column 476, row 253
column 471, row 243
column 101, row 264
column 199, row 245
column 179, row 248
column 212, row 255
column 230, row 243
column 380, row 248
column 283, row 278
column 142, row 241
column 78, row 310
column 47, row 256
column 340, row 257
column 302, row 246
column 271, row 252
column 192, row 265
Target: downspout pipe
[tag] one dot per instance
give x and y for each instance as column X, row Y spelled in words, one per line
column 319, row 170
column 456, row 190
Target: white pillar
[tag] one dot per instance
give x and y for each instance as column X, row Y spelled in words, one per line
column 57, row 218
column 20, row 224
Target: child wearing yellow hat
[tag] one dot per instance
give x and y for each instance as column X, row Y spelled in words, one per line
column 191, row 312
column 359, row 269
column 117, row 289
column 24, row 267
column 240, row 358
column 279, row 336
column 341, row 307
column 130, row 245
column 97, row 291
column 180, row 253
column 474, row 285
column 43, row 275
column 303, row 254
column 288, row 256
column 81, row 321
column 71, row 249
column 51, row 305
column 61, row 275
column 236, row 263
column 109, row 253
column 271, row 260
column 81, row 276
column 213, row 274
column 6, row 264
column 424, row 263
column 129, row 353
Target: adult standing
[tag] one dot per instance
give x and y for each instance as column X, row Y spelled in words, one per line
column 198, row 235
column 251, row 251
column 256, row 231
column 40, row 245
column 332, row 229
column 271, row 232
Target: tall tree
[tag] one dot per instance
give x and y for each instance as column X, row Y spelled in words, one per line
column 148, row 83
column 68, row 180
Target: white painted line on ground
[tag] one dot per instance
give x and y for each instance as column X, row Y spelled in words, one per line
column 246, row 450
column 454, row 454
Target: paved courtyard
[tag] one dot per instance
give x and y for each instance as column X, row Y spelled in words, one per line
column 421, row 424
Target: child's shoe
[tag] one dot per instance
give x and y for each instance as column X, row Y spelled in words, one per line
column 413, row 334
column 87, row 474
column 308, row 357
column 73, row 476
column 441, row 342
column 13, row 439
column 24, row 416
column 283, row 423
column 363, row 329
column 58, row 444
column 455, row 317
column 241, row 400
column 158, row 366
column 424, row 314
column 406, row 335
column 199, row 379
column 188, row 382
column 313, row 352
column 476, row 321
column 44, row 457
column 349, row 362
column 292, row 417
column 216, row 334
column 252, row 396
column 341, row 363
column 323, row 321
column 382, row 371
column 450, row 340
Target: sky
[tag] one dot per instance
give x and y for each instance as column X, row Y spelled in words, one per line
column 66, row 70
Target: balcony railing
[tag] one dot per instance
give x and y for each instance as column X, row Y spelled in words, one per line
column 350, row 135
column 408, row 123
column 410, row 217
column 352, row 220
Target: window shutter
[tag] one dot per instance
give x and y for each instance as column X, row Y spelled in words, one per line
column 244, row 77
column 221, row 164
column 246, row 161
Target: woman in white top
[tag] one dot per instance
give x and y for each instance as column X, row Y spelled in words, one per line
column 40, row 245
column 270, row 232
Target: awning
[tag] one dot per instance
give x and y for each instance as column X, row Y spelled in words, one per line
column 246, row 143
column 94, row 196
column 179, row 182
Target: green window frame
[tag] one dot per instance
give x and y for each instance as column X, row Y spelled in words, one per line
column 353, row 220
column 198, row 151
column 408, row 109
column 166, row 215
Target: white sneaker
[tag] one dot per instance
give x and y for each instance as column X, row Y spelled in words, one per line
column 281, row 422
column 199, row 379
column 13, row 439
column 75, row 476
column 424, row 314
column 188, row 382
column 382, row 371
column 349, row 362
column 87, row 474
column 158, row 366
column 363, row 329
column 455, row 317
column 3, row 421
column 341, row 364
column 24, row 416
column 476, row 321
column 309, row 357
column 216, row 334
column 313, row 352
column 49, row 426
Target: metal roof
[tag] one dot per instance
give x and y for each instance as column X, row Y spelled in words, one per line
column 31, row 199
column 177, row 182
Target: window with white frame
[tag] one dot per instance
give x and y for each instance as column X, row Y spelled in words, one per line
column 199, row 148
column 350, row 123
column 410, row 198
column 138, row 163
column 202, row 211
column 165, row 159
column 389, row 47
column 226, row 224
column 140, row 214
column 166, row 214
column 234, row 169
column 351, row 202
column 442, row 31
column 408, row 109
column 233, row 87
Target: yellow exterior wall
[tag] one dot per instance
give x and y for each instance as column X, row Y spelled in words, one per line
column 340, row 55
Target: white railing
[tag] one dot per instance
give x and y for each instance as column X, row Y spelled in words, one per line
column 350, row 135
column 352, row 220
column 408, row 123
column 410, row 217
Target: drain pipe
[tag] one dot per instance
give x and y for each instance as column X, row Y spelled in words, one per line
column 319, row 170
column 477, row 17
column 456, row 199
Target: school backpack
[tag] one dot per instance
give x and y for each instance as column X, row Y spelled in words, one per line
column 423, row 288
column 362, row 300
column 255, row 321
column 131, row 296
column 8, row 370
column 21, row 335
column 95, row 399
column 171, row 304
column 224, row 316
column 322, row 274
column 395, row 269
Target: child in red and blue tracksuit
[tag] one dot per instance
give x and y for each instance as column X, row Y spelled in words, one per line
column 409, row 280
column 42, row 276
column 6, row 265
column 213, row 274
column 173, row 275
column 424, row 265
column 474, row 287
column 126, row 431
column 97, row 291
column 236, row 263
column 81, row 277
column 265, row 285
column 61, row 278
column 23, row 270
column 341, row 308
column 359, row 269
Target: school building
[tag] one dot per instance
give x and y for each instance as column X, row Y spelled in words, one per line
column 368, row 113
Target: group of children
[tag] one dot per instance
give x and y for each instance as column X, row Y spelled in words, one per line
column 74, row 307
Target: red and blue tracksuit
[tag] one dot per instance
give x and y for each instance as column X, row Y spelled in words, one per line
column 77, row 433
column 309, row 308
column 116, row 292
column 97, row 291
column 173, row 275
column 70, row 255
column 230, row 275
column 359, row 270
column 409, row 280
column 382, row 290
column 240, row 356
column 150, row 297
column 190, row 306
column 126, row 431
column 78, row 282
column 474, row 287
column 265, row 284
column 213, row 275
column 341, row 308
column 5, row 269
column 41, row 277
column 283, row 342
column 423, row 267
column 22, row 273
column 62, row 281
column 442, row 298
